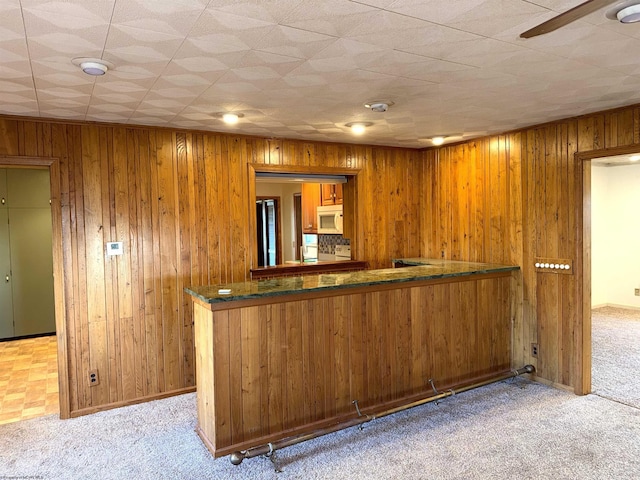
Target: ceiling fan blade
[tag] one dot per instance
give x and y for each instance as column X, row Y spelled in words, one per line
column 567, row 17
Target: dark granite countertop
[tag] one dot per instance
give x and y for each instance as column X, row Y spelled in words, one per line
column 424, row 269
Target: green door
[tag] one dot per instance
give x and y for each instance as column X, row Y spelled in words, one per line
column 6, row 303
column 30, row 257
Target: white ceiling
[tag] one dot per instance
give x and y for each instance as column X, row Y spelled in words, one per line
column 304, row 68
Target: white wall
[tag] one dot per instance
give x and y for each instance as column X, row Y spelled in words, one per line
column 615, row 235
column 287, row 216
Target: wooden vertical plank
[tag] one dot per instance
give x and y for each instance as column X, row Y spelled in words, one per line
column 225, row 423
column 275, row 363
column 294, row 397
column 235, row 376
column 123, row 264
column 343, row 357
column 251, row 398
column 94, row 263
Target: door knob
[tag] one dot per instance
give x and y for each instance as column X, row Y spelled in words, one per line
column 7, row 278
column 3, row 200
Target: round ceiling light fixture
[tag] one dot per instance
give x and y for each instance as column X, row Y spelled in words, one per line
column 630, row 14
column 437, row 141
column 92, row 66
column 358, row 128
column 378, row 106
column 634, row 158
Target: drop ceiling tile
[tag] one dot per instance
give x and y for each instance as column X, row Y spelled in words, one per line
column 494, row 16
column 142, row 44
column 173, row 17
column 125, row 110
column 120, row 86
column 293, row 42
column 106, row 117
column 70, row 44
column 434, row 10
column 27, row 109
column 92, row 10
column 121, row 98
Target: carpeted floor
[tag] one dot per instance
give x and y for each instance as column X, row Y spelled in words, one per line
column 510, row 430
column 616, row 354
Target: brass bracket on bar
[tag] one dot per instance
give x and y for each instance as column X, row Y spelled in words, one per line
column 361, row 426
column 434, row 390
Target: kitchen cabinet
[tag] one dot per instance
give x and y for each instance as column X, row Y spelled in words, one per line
column 332, row 194
column 310, row 202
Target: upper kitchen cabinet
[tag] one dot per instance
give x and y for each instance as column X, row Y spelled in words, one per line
column 310, row 202
column 332, row 194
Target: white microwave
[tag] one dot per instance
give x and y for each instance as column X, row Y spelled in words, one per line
column 330, row 219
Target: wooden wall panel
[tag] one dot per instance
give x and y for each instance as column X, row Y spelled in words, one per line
column 525, row 201
column 180, row 203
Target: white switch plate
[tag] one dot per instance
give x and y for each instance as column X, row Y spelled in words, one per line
column 114, row 248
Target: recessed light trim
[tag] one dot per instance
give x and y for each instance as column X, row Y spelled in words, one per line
column 93, row 66
column 378, row 106
column 437, row 141
column 634, row 158
column 630, row 14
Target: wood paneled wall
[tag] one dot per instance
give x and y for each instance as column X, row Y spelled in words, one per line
column 513, row 198
column 180, row 203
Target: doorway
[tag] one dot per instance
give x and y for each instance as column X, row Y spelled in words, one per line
column 28, row 345
column 26, row 254
column 59, row 341
column 268, row 231
column 615, row 281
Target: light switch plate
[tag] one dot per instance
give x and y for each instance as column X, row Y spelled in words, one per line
column 114, row 248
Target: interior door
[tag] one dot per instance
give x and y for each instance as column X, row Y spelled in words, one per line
column 6, row 302
column 29, row 212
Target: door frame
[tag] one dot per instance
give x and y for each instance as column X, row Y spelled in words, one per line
column 53, row 164
column 584, row 351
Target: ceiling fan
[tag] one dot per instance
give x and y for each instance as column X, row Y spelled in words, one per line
column 567, row 17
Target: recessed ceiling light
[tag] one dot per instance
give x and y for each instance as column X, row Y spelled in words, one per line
column 630, row 14
column 358, row 128
column 92, row 66
column 634, row 158
column 437, row 141
column 230, row 118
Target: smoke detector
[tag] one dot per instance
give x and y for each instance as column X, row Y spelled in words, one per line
column 378, row 106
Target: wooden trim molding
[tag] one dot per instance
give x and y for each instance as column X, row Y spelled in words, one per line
column 583, row 358
column 53, row 164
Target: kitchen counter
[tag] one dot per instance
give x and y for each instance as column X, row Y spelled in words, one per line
column 422, row 269
column 307, row 267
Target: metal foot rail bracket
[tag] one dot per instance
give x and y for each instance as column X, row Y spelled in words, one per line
column 270, row 448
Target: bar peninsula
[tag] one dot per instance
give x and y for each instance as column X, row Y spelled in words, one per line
column 286, row 356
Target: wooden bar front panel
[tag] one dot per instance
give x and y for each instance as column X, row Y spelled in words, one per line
column 294, row 366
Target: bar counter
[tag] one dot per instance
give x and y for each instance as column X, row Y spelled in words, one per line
column 424, row 269
column 291, row 355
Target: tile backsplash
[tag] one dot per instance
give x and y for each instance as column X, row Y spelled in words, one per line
column 327, row 243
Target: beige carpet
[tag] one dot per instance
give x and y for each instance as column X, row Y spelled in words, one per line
column 616, row 354
column 510, row 430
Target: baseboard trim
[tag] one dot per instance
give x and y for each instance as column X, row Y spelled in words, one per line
column 126, row 403
column 549, row 383
column 615, row 305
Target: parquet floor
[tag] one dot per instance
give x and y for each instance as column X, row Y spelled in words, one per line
column 28, row 378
